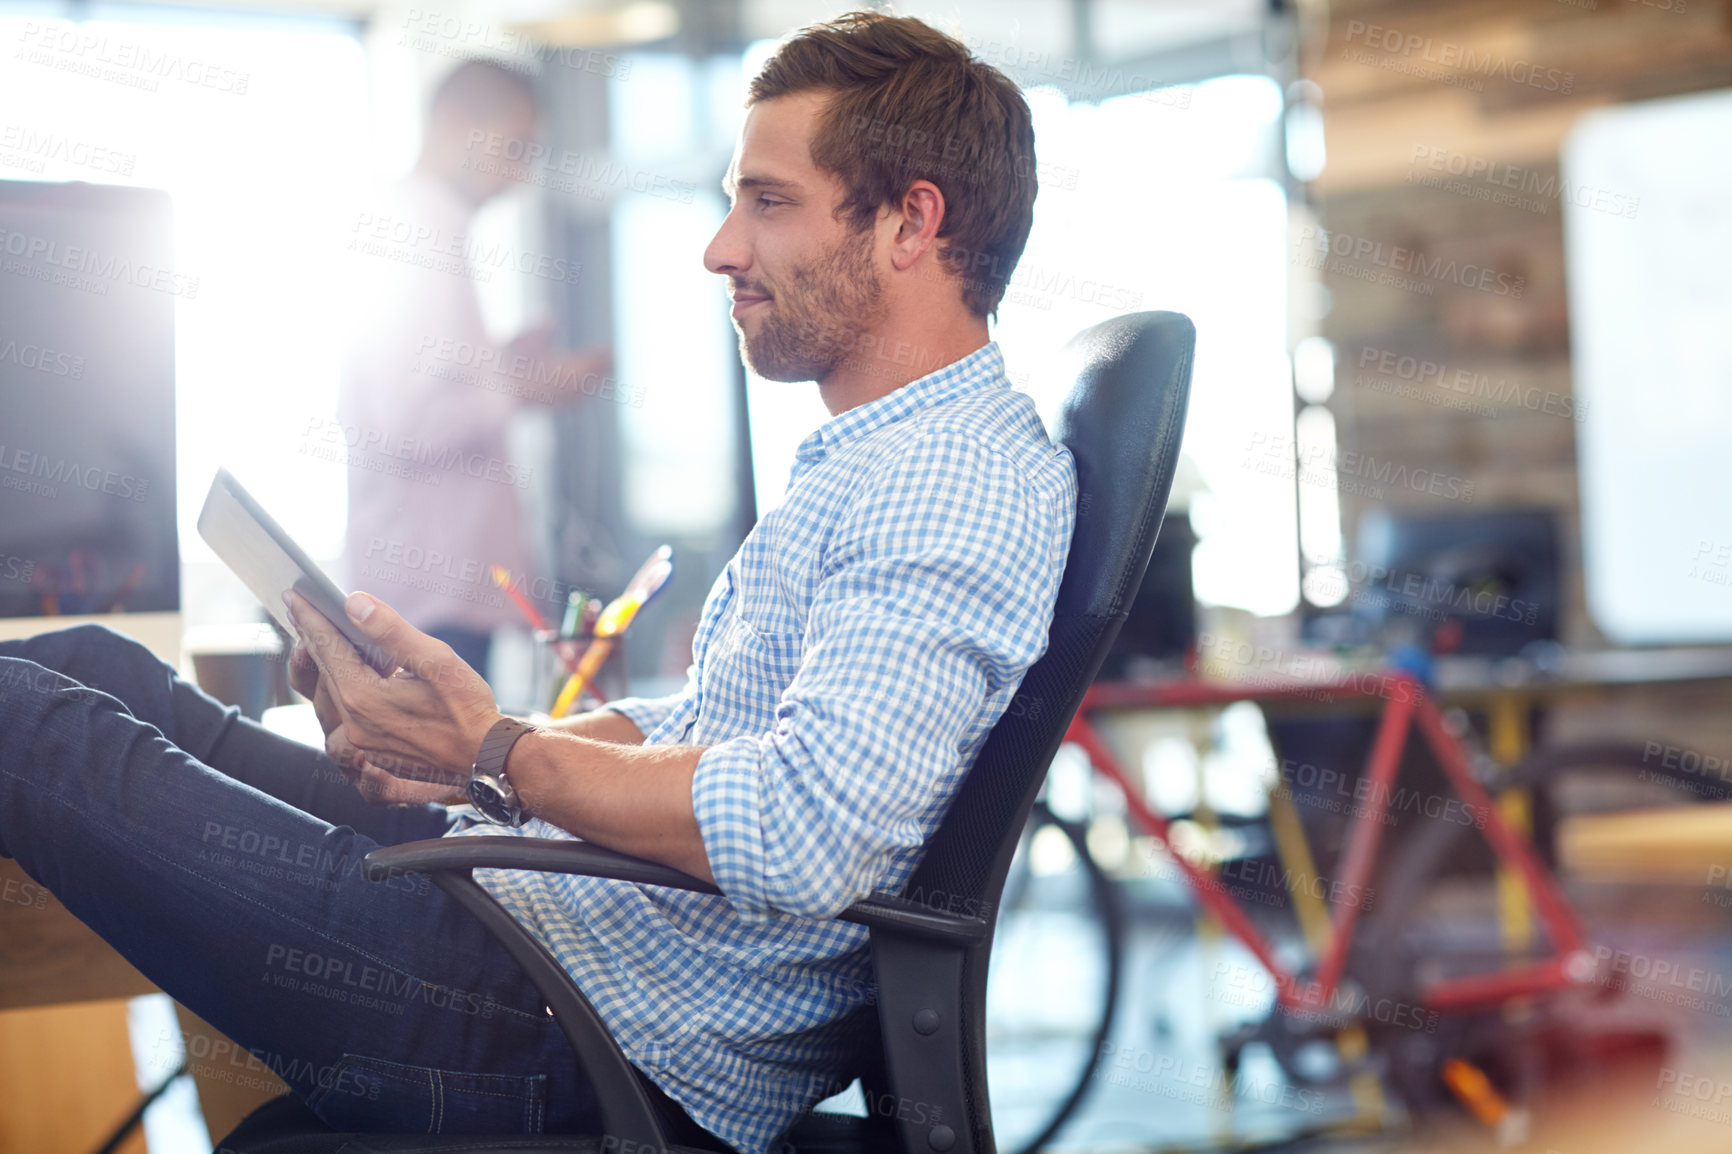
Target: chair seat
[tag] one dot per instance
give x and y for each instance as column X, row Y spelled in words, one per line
column 285, row 1126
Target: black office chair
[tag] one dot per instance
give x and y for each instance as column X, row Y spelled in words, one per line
column 1122, row 422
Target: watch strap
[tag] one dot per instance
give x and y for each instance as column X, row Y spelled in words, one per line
column 496, row 746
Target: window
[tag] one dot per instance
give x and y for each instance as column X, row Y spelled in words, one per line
column 264, row 168
column 1160, row 200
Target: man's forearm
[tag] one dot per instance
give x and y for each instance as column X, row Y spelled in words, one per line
column 600, row 725
column 635, row 799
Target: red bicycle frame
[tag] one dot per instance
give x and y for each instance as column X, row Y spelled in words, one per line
column 1407, row 703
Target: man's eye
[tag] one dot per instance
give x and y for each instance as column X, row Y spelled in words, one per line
column 766, row 202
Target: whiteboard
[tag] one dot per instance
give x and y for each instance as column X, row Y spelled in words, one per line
column 1646, row 191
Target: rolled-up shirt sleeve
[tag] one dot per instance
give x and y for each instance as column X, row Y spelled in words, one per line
column 934, row 598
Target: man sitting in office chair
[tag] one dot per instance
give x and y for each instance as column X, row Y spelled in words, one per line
column 849, row 663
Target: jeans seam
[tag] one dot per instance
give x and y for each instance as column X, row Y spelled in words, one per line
column 140, row 847
column 441, row 1073
column 531, row 1095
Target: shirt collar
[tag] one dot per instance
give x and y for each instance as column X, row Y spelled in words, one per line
column 983, row 368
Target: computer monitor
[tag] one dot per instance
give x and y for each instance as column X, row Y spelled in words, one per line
column 1490, row 581
column 87, row 432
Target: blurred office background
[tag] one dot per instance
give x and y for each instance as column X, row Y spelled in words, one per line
column 1436, row 267
column 642, row 103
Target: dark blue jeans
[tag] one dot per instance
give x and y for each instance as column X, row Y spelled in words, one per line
column 225, row 863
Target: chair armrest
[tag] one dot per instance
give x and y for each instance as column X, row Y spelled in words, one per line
column 548, row 855
column 556, row 855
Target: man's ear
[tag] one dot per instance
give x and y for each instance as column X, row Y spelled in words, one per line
column 921, row 211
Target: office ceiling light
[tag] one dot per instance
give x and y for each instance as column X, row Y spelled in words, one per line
column 636, row 23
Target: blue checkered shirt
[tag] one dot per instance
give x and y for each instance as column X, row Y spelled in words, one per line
column 847, row 667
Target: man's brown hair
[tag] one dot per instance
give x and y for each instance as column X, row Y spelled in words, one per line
column 913, row 104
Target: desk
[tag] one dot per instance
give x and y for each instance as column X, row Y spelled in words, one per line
column 1270, row 672
column 65, row 1055
column 1579, row 673
column 48, row 957
column 67, row 1071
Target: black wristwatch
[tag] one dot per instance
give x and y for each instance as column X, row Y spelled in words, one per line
column 489, row 791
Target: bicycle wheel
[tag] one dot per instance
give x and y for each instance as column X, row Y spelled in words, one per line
column 1567, row 779
column 1053, row 982
column 1392, row 954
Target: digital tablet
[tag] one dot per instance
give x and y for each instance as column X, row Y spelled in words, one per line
column 268, row 562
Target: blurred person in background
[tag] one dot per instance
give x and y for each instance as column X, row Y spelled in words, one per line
column 427, row 396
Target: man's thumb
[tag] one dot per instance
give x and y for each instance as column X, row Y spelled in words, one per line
column 390, row 635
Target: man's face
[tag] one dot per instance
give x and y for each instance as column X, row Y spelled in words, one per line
column 476, row 148
column 804, row 285
column 518, row 123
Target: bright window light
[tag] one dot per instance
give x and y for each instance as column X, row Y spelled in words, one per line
column 671, row 312
column 1314, row 370
column 264, row 168
column 1151, row 201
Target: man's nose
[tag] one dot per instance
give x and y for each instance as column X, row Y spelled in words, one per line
column 727, row 252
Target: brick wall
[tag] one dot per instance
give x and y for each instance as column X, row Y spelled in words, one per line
column 1443, row 123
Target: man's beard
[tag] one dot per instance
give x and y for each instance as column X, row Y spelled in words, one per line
column 815, row 320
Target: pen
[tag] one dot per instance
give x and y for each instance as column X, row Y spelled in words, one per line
column 613, row 622
column 593, row 658
column 575, row 604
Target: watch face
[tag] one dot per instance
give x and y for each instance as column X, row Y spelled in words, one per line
column 487, row 797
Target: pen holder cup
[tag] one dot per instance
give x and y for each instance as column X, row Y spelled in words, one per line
column 555, row 656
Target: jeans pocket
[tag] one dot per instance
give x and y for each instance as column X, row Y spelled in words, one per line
column 360, row 1094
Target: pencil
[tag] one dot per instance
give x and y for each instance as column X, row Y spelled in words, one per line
column 502, row 578
column 593, row 659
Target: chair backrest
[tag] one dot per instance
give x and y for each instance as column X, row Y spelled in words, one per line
column 1122, row 422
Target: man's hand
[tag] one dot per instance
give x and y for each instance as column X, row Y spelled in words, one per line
column 569, row 378
column 584, row 374
column 533, row 343
column 373, row 783
column 410, row 737
column 382, row 787
column 558, row 378
column 419, row 731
